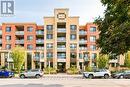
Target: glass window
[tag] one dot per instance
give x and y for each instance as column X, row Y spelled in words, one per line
column 8, row 29
column 49, row 54
column 29, row 29
column 49, row 36
column 92, row 38
column 49, row 27
column 73, row 36
column 29, row 46
column 49, row 45
column 8, row 37
column 72, row 45
column 93, row 55
column 93, row 29
column 8, row 46
column 30, row 37
column 93, row 47
column 73, row 27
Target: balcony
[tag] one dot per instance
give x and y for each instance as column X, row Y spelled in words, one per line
column 61, row 30
column 82, row 48
column 19, row 32
column 39, row 48
column 61, row 57
column 40, row 41
column 61, row 49
column 62, row 39
column 82, row 33
column 20, row 41
column 82, row 41
column 39, row 33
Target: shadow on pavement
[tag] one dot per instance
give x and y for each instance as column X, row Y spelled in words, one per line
column 31, row 85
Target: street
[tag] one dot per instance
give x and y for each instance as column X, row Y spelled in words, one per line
column 63, row 81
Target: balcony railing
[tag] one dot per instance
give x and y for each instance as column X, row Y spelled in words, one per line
column 61, row 49
column 61, row 39
column 39, row 48
column 19, row 41
column 82, row 33
column 39, row 33
column 19, row 32
column 82, row 48
column 61, row 57
column 82, row 41
column 40, row 41
column 62, row 30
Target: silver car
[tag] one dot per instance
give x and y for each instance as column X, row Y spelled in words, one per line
column 37, row 73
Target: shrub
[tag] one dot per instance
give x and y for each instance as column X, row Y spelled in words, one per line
column 72, row 70
column 88, row 69
column 50, row 70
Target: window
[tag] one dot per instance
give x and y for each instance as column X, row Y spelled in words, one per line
column 29, row 46
column 73, row 36
column 61, row 55
column 80, row 55
column 73, row 27
column 8, row 29
column 8, row 37
column 29, row 29
column 8, row 46
column 72, row 45
column 93, row 55
column 92, row 38
column 49, row 54
column 93, row 47
column 49, row 36
column 93, row 29
column 30, row 37
column 49, row 27
column 49, row 45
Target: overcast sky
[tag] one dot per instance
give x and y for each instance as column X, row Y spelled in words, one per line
column 35, row 10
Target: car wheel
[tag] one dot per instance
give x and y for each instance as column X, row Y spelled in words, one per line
column 22, row 76
column 37, row 76
column 106, row 76
column 90, row 76
column 121, row 77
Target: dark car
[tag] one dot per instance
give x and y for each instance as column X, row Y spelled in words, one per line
column 121, row 75
column 6, row 73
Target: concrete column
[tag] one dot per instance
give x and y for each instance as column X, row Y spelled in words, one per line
column 33, row 64
column 2, row 59
column 25, row 66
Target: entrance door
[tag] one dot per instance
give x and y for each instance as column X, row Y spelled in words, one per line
column 61, row 67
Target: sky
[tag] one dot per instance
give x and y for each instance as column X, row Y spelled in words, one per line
column 35, row 10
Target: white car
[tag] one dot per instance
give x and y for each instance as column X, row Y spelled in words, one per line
column 32, row 73
column 97, row 73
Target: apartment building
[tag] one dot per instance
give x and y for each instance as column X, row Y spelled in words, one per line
column 60, row 43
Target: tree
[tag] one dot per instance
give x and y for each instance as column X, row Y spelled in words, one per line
column 114, row 27
column 127, row 60
column 102, row 61
column 18, row 55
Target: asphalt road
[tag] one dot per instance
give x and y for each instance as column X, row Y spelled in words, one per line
column 64, row 81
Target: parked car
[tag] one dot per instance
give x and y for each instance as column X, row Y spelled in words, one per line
column 97, row 73
column 37, row 73
column 121, row 75
column 6, row 73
